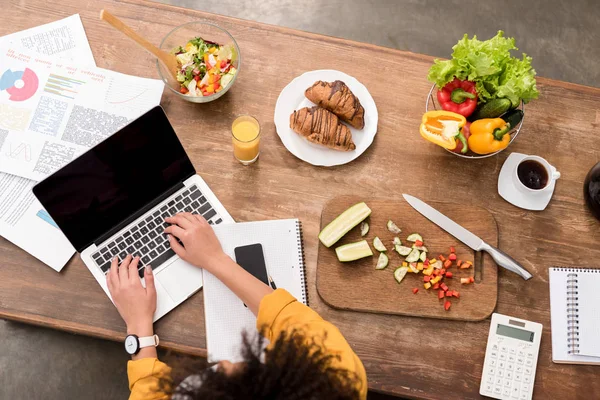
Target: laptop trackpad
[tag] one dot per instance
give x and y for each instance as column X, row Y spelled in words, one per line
column 180, row 280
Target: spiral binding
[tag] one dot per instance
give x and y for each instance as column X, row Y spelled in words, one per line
column 302, row 262
column 572, row 311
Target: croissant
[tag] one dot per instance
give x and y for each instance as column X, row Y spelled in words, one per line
column 320, row 126
column 339, row 99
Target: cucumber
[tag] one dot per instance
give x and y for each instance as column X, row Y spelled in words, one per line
column 400, row 273
column 423, row 256
column 378, row 244
column 343, row 223
column 392, row 227
column 382, row 261
column 413, row 268
column 364, row 228
column 414, row 237
column 403, row 250
column 513, row 117
column 413, row 256
column 421, row 248
column 492, row 109
column 397, row 241
column 353, row 251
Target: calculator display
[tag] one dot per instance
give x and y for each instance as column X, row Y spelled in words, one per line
column 514, row 333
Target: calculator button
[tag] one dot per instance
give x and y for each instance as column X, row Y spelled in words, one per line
column 495, row 347
column 510, row 366
column 526, row 379
column 527, row 371
column 500, row 373
column 492, row 363
column 498, row 382
column 512, row 351
column 515, row 391
column 523, row 396
column 502, row 356
column 507, row 383
column 517, row 377
column 529, row 362
column 530, row 354
column 521, row 353
column 498, row 390
column 511, row 358
column 504, row 349
column 501, row 364
column 490, row 379
column 506, row 392
column 519, row 370
column 509, row 375
column 520, row 360
column 489, row 388
column 525, row 388
column 491, row 371
column 493, row 354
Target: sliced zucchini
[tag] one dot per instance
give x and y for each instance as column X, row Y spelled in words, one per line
column 343, row 223
column 382, row 261
column 437, row 264
column 364, row 228
column 421, row 248
column 400, row 273
column 403, row 250
column 423, row 256
column 397, row 241
column 413, row 256
column 378, row 244
column 413, row 267
column 414, row 237
column 353, row 251
column 392, row 227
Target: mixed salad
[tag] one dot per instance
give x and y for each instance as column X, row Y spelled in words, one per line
column 205, row 67
column 479, row 90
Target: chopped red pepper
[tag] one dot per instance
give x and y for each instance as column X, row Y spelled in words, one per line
column 447, row 305
column 442, row 258
column 444, row 287
column 426, row 278
column 452, row 257
column 418, row 243
column 443, row 271
column 448, row 274
column 183, row 90
column 472, row 279
column 447, row 263
column 426, row 262
column 441, row 294
column 458, row 263
column 455, row 294
column 452, row 249
column 436, row 286
column 415, row 290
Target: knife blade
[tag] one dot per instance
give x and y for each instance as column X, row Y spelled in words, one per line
column 466, row 236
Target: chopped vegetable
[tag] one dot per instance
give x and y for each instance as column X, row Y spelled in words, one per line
column 392, row 227
column 413, row 268
column 442, row 258
column 414, row 237
column 382, row 261
column 415, row 290
column 436, row 286
column 427, row 285
column 403, row 251
column 444, row 287
column 426, row 278
column 378, row 244
column 343, row 223
column 441, row 294
column 423, row 256
column 364, row 228
column 458, row 263
column 455, row 294
column 447, row 305
column 397, row 241
column 404, row 264
column 448, row 274
column 400, row 273
column 452, row 249
column 420, row 266
column 447, row 263
column 418, row 243
column 420, row 248
column 413, row 256
column 466, row 281
column 452, row 257
column 353, row 251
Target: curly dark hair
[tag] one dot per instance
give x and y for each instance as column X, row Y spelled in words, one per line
column 295, row 367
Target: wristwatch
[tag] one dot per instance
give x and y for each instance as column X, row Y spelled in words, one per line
column 133, row 343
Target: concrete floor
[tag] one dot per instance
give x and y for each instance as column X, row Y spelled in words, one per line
column 562, row 37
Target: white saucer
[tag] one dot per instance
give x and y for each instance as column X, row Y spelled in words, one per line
column 509, row 191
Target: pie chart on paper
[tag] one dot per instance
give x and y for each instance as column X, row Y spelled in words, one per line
column 20, row 85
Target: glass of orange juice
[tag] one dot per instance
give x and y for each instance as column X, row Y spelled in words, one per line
column 245, row 132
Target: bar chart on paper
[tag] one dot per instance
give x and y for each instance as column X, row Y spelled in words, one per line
column 63, row 86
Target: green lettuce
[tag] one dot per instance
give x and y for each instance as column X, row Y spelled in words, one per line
column 490, row 65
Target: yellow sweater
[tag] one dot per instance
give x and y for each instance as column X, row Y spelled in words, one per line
column 279, row 312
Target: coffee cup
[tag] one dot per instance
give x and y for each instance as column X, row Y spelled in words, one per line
column 534, row 174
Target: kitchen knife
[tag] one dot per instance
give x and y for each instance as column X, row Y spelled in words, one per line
column 468, row 238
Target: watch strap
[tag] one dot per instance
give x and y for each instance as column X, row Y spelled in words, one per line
column 148, row 341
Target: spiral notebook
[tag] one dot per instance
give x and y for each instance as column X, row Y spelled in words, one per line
column 575, row 314
column 226, row 317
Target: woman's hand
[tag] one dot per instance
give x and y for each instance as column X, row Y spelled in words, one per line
column 135, row 303
column 200, row 244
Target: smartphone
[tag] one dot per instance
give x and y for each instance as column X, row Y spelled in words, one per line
column 252, row 259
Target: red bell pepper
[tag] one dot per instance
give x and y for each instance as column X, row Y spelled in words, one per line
column 448, row 274
column 426, row 278
column 418, row 243
column 436, row 286
column 447, row 263
column 459, row 97
column 444, row 287
column 415, row 290
column 452, row 257
column 447, row 305
column 441, row 294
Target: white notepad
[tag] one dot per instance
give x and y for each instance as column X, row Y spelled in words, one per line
column 575, row 315
column 226, row 317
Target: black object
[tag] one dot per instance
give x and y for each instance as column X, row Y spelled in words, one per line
column 252, row 259
column 591, row 190
column 513, row 117
column 532, row 174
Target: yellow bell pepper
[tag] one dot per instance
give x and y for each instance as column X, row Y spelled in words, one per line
column 442, row 127
column 489, row 135
column 428, row 271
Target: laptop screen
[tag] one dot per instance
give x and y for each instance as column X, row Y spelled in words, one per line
column 115, row 179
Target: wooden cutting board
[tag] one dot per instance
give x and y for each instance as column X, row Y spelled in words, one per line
column 358, row 286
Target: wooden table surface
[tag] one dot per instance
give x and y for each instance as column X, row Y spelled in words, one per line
column 412, row 357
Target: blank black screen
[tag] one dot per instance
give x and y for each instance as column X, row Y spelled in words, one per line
column 115, row 179
column 252, row 259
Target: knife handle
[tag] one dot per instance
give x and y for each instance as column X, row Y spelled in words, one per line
column 506, row 261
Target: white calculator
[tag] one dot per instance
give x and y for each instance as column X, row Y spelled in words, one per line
column 510, row 358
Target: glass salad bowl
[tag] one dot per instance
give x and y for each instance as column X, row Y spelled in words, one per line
column 432, row 104
column 211, row 33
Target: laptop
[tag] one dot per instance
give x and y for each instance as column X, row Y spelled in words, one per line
column 113, row 200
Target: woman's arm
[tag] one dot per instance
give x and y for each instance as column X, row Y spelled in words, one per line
column 202, row 248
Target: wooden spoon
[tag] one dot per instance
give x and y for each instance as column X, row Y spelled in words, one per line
column 168, row 60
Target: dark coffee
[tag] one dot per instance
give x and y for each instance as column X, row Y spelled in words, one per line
column 533, row 174
column 591, row 190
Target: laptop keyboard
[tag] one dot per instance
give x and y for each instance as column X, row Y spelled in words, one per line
column 147, row 239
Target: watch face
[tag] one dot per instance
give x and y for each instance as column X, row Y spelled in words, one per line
column 131, row 344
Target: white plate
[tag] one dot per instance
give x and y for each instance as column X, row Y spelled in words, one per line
column 292, row 98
